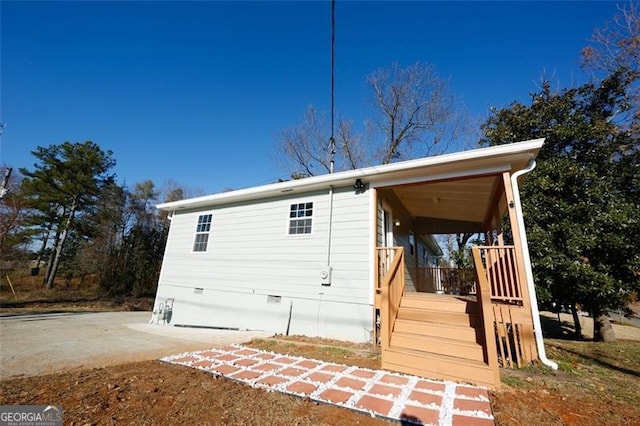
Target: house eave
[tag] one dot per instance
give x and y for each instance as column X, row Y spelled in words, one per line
column 515, row 155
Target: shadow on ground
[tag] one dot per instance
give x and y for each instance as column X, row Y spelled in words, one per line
column 554, row 328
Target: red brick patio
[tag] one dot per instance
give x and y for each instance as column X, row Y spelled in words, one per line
column 375, row 392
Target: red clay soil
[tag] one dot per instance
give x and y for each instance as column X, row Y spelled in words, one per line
column 153, row 392
column 544, row 407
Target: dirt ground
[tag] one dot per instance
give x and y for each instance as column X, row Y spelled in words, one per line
column 596, row 384
column 152, row 392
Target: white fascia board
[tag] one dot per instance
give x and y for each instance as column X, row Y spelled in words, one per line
column 394, row 172
column 442, row 176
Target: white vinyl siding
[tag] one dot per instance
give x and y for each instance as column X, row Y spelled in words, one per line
column 428, row 257
column 255, row 257
column 403, row 237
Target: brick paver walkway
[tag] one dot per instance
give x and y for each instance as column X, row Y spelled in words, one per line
column 376, row 392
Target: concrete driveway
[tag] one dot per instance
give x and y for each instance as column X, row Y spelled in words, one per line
column 32, row 345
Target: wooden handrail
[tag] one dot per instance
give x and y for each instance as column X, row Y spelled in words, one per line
column 483, row 295
column 501, row 272
column 392, row 289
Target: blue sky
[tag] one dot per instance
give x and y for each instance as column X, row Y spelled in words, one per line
column 197, row 92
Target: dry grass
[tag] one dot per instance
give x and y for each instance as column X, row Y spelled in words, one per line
column 597, row 383
column 26, row 294
column 361, row 354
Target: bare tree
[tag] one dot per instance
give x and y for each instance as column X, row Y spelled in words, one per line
column 413, row 115
column 303, row 150
column 4, row 186
column 615, row 47
column 617, row 43
column 13, row 220
column 173, row 191
column 413, row 112
column 352, row 146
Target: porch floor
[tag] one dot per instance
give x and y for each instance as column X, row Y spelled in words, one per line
column 375, row 392
column 441, row 296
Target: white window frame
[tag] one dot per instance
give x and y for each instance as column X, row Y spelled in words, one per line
column 203, row 229
column 304, row 207
column 388, row 239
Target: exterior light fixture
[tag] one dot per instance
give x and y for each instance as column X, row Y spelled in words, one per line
column 359, row 186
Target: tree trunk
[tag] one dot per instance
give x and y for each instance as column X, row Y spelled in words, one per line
column 45, row 241
column 45, row 280
column 462, row 239
column 56, row 239
column 602, row 328
column 576, row 322
column 60, row 246
column 69, row 279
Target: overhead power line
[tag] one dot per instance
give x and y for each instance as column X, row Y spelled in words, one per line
column 332, row 141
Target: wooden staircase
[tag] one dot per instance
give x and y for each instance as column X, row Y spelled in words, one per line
column 441, row 337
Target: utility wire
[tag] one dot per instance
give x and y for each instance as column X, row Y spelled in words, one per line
column 332, row 141
column 4, row 185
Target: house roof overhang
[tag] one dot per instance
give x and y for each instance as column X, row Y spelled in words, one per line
column 408, row 179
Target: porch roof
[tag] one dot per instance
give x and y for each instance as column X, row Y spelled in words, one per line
column 461, row 166
column 451, row 206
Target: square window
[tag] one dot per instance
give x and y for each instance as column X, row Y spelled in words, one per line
column 300, row 218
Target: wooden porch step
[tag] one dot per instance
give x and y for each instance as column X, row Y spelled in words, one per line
column 439, row 316
column 438, row 329
column 438, row 345
column 437, row 302
column 435, row 366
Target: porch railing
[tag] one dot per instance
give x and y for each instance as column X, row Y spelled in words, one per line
column 483, row 291
column 446, row 280
column 391, row 286
column 503, row 305
column 501, row 268
column 385, row 256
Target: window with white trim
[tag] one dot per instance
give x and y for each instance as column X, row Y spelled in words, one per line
column 300, row 218
column 202, row 232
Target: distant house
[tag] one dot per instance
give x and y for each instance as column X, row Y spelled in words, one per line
column 351, row 256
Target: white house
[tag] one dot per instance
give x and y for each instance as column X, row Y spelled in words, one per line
column 303, row 257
